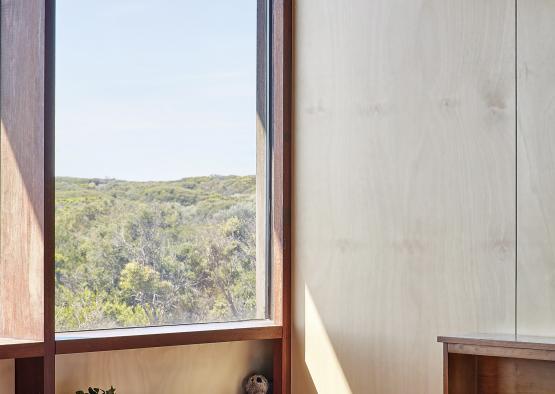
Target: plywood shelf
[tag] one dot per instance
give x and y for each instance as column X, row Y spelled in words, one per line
column 488, row 364
column 134, row 338
column 20, row 348
column 503, row 341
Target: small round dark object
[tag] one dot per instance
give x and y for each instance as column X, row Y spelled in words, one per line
column 257, row 384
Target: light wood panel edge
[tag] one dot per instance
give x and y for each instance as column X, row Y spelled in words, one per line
column 68, row 343
column 280, row 121
column 21, row 180
column 48, row 362
column 18, row 348
column 495, row 351
column 508, row 346
column 504, row 340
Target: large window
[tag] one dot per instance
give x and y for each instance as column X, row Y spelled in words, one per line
column 139, row 178
column 162, row 161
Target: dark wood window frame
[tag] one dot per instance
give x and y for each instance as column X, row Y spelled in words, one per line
column 35, row 354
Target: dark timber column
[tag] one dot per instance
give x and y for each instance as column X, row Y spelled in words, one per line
column 26, row 179
column 29, row 376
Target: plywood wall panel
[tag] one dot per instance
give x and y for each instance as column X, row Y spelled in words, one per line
column 21, row 168
column 211, row 368
column 404, row 188
column 536, row 167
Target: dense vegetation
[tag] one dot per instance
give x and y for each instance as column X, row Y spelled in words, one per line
column 151, row 253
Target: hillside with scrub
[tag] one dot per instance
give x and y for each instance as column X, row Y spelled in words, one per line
column 153, row 253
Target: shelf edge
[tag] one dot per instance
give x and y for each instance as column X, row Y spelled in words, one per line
column 69, row 343
column 21, row 350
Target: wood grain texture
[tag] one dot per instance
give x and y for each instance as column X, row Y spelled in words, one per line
column 7, row 377
column 404, row 187
column 497, row 375
column 49, row 194
column 149, row 337
column 497, row 351
column 281, row 158
column 15, row 348
column 494, row 369
column 445, row 368
column 21, row 168
column 496, row 364
column 211, row 368
column 505, row 341
column 262, row 170
column 536, row 167
column 281, row 109
column 462, row 374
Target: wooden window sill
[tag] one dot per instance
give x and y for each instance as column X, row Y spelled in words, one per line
column 20, row 348
column 147, row 337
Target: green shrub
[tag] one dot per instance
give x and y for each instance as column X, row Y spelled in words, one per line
column 97, row 391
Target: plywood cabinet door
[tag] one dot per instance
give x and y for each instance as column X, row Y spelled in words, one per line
column 536, row 167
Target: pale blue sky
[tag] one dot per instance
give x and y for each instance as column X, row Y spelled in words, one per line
column 155, row 90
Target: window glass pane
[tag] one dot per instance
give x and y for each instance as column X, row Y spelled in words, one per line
column 160, row 162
